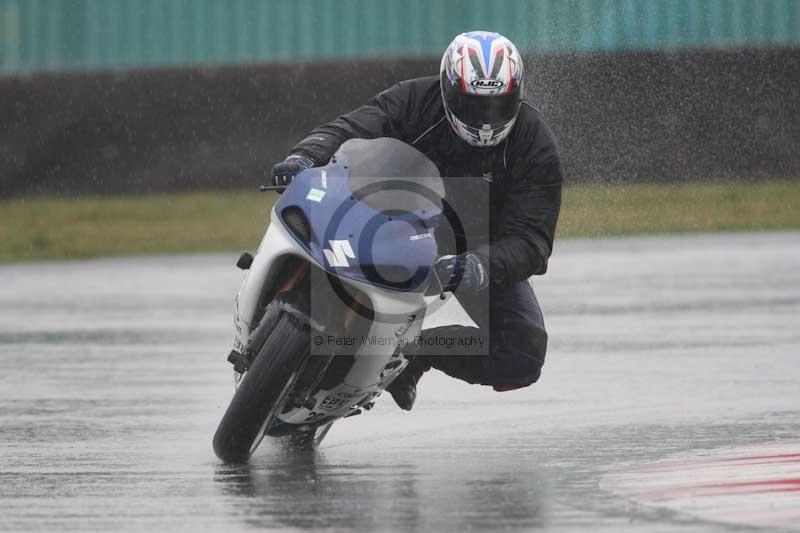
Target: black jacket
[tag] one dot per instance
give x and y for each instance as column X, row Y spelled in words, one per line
column 520, row 192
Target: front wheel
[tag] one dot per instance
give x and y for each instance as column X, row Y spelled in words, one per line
column 263, row 390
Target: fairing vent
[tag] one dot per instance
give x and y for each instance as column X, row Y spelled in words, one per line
column 296, row 221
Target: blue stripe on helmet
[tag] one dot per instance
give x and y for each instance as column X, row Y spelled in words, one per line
column 485, row 39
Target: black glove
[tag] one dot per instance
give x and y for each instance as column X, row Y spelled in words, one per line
column 465, row 271
column 284, row 172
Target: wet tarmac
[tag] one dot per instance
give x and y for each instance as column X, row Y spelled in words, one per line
column 113, row 378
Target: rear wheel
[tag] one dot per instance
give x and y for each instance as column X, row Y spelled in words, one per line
column 263, row 390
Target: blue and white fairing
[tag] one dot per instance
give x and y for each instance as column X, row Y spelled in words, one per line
column 367, row 218
column 371, row 213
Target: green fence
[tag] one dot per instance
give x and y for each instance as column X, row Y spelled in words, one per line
column 91, row 34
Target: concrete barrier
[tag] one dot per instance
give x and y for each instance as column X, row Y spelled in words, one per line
column 639, row 116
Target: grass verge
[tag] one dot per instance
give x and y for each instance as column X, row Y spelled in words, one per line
column 57, row 228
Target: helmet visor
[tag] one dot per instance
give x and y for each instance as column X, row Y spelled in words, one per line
column 478, row 109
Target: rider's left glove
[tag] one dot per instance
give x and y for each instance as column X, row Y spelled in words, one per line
column 284, row 172
column 465, row 271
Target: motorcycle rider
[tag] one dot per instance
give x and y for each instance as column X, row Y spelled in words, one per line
column 471, row 120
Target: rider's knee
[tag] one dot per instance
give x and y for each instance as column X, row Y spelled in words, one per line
column 519, row 362
column 537, row 346
column 536, row 351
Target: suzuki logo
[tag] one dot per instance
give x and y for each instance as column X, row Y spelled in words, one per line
column 338, row 254
column 487, row 83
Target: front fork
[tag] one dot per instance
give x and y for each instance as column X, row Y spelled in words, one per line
column 242, row 355
column 293, row 296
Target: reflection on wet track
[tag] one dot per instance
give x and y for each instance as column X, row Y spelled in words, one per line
column 114, row 377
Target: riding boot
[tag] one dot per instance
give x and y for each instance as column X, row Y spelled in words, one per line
column 447, row 357
column 404, row 387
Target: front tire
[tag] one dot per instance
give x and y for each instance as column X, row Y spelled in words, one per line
column 263, row 390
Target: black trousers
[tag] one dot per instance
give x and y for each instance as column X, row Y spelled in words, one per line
column 508, row 347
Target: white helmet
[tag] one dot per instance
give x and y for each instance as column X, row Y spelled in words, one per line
column 481, row 81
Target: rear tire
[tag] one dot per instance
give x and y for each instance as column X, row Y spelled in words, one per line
column 263, row 390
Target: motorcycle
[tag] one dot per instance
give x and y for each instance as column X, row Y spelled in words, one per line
column 339, row 285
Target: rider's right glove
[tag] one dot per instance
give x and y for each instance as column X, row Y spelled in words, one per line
column 284, row 172
column 465, row 271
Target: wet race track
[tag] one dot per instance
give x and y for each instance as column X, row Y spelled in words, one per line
column 670, row 402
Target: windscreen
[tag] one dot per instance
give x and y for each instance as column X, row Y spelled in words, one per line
column 388, row 174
